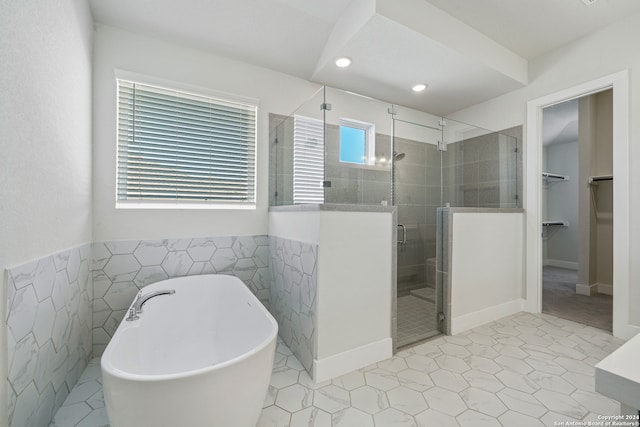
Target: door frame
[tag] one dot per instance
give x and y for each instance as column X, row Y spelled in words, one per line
column 619, row 83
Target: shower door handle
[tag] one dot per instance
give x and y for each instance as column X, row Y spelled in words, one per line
column 404, row 234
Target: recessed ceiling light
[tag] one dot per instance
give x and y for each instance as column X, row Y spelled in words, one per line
column 343, row 62
column 589, row 2
column 419, row 88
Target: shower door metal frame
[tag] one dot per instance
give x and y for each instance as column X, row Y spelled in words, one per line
column 439, row 303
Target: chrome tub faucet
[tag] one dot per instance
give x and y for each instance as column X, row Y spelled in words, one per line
column 141, row 299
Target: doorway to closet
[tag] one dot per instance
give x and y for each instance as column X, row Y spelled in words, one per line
column 577, row 210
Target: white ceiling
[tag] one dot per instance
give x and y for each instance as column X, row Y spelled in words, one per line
column 467, row 51
column 533, row 27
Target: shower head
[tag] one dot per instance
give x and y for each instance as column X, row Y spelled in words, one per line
column 398, row 156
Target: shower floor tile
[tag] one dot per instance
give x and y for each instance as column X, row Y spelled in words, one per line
column 428, row 294
column 417, row 319
column 451, row 380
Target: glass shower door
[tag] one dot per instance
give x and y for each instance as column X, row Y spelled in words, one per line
column 417, row 194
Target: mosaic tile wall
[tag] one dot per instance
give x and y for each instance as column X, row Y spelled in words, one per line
column 49, row 333
column 122, row 268
column 293, row 295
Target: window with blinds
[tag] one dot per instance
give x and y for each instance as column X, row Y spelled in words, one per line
column 308, row 160
column 180, row 148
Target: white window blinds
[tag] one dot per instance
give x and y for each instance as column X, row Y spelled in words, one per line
column 308, row 160
column 179, row 147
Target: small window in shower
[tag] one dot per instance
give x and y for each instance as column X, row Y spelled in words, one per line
column 357, row 142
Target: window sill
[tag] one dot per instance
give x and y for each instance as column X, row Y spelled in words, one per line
column 385, row 167
column 183, row 205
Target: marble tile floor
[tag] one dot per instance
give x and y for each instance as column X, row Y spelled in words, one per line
column 417, row 320
column 522, row 370
column 84, row 407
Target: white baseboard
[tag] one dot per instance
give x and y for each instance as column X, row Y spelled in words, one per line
column 350, row 360
column 625, row 331
column 587, row 290
column 561, row 264
column 596, row 288
column 477, row 318
column 605, row 289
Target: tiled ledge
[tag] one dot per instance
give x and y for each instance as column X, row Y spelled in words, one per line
column 484, row 210
column 332, row 207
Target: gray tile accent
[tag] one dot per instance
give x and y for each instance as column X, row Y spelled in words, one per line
column 122, row 268
column 49, row 333
column 293, row 295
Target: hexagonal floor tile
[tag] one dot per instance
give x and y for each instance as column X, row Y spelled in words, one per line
column 274, row 417
column 444, row 401
column 381, row 379
column 483, row 381
column 451, row 363
column 395, row 364
column 311, row 417
column 331, row 399
column 421, row 363
column 294, row 398
column 369, row 399
column 350, row 381
column 394, row 418
column 521, row 402
column 283, row 377
column 415, row 380
column 431, row 418
column 351, row 417
column 449, row 380
column 407, row 400
column 472, row 418
column 483, row 401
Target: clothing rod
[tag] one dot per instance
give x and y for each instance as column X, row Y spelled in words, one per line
column 552, row 223
column 554, row 175
column 600, row 178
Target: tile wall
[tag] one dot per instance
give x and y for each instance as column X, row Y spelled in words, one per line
column 49, row 333
column 293, row 295
column 485, row 171
column 417, row 178
column 63, row 308
column 122, row 268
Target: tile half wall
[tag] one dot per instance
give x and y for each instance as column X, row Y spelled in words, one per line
column 63, row 308
column 293, row 295
column 48, row 332
column 122, row 268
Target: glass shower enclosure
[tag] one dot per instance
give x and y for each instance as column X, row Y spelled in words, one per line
column 440, row 163
column 343, row 148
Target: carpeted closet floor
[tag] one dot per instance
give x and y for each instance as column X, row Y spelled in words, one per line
column 559, row 299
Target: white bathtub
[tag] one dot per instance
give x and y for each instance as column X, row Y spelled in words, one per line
column 200, row 357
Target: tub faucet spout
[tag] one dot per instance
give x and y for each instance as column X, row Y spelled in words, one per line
column 141, row 299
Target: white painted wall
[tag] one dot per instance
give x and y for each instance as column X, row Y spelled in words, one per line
column 45, row 136
column 353, row 302
column 569, row 66
column 118, row 49
column 299, row 226
column 486, row 267
column 561, row 201
column 354, row 280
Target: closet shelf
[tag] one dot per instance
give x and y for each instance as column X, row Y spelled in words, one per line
column 555, row 223
column 597, row 178
column 548, row 175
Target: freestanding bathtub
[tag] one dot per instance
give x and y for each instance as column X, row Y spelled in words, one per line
column 201, row 357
